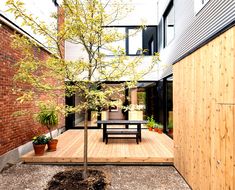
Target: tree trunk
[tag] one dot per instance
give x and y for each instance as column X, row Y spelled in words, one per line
column 85, row 144
column 49, row 129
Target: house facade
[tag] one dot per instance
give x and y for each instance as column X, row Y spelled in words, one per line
column 149, row 94
column 194, row 87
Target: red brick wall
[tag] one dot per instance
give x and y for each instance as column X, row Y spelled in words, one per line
column 14, row 131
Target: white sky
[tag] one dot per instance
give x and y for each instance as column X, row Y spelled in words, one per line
column 40, row 8
column 144, row 10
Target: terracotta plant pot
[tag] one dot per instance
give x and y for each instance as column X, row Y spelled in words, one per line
column 156, row 129
column 160, row 131
column 39, row 149
column 150, row 128
column 52, row 144
column 170, row 131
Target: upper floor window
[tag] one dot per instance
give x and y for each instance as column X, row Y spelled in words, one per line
column 151, row 47
column 199, row 4
column 135, row 41
column 169, row 24
column 131, row 40
column 108, row 48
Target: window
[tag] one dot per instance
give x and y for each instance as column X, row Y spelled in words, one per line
column 119, row 44
column 199, row 4
column 160, row 35
column 150, row 40
column 151, row 47
column 169, row 24
column 131, row 40
column 135, row 41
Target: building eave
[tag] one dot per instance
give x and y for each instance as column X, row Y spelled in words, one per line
column 18, row 29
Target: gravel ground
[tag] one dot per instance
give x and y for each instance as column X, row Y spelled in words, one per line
column 36, row 177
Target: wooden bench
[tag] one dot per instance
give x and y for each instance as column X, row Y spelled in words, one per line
column 122, row 133
column 109, row 135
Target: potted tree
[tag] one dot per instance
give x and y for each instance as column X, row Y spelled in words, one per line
column 150, row 123
column 39, row 143
column 48, row 116
column 160, row 128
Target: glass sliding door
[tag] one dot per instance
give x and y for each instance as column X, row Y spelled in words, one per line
column 169, row 106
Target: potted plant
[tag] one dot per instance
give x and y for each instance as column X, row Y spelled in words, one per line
column 156, row 128
column 150, row 123
column 160, row 128
column 39, row 143
column 170, row 128
column 48, row 116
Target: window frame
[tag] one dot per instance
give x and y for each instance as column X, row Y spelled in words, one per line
column 128, row 42
column 166, row 13
column 144, row 37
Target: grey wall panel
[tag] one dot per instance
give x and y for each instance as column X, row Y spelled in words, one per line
column 192, row 30
column 184, row 15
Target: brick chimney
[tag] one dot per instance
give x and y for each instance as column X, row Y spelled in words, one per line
column 60, row 22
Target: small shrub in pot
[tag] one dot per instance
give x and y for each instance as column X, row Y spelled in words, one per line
column 151, row 123
column 160, row 128
column 39, row 143
column 48, row 116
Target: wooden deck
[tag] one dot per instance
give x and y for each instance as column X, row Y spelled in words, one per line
column 154, row 148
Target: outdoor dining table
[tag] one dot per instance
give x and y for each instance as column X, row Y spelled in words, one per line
column 122, row 131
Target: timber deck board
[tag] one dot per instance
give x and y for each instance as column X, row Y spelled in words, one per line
column 154, row 148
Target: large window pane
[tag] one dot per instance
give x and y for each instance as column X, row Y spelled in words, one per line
column 169, row 105
column 134, row 41
column 169, row 26
column 118, row 44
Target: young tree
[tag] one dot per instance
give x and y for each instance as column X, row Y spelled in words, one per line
column 85, row 24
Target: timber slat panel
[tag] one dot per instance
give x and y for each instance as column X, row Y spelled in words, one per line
column 233, row 110
column 204, row 118
column 154, row 148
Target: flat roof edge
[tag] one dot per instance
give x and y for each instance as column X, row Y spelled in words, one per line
column 17, row 28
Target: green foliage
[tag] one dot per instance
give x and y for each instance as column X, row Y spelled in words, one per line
column 84, row 25
column 141, row 97
column 151, row 122
column 156, row 126
column 40, row 140
column 170, row 125
column 47, row 115
column 159, row 126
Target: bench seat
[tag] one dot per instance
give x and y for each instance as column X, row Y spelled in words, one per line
column 122, row 132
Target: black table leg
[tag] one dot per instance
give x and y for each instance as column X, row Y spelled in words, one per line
column 104, row 131
column 139, row 131
column 106, row 139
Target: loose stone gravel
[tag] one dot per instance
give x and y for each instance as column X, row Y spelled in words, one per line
column 36, row 177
